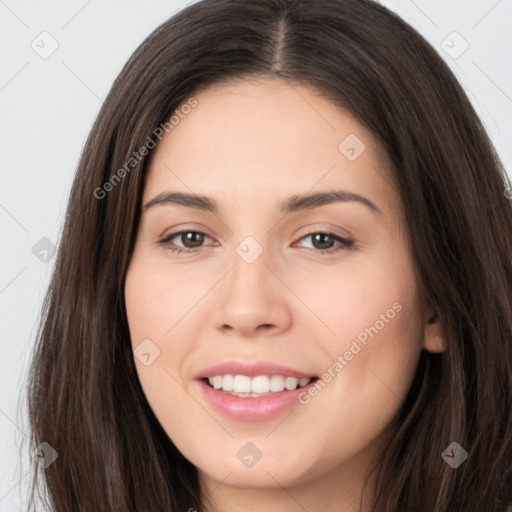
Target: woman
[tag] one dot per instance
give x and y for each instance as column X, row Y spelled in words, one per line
column 334, row 331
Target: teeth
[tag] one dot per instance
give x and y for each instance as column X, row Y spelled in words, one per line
column 276, row 383
column 290, row 383
column 217, row 381
column 241, row 384
column 227, row 382
column 262, row 384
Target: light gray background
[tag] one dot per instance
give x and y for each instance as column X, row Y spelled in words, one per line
column 47, row 107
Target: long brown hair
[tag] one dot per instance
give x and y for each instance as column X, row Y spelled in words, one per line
column 84, row 396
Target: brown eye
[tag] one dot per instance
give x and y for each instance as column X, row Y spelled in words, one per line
column 323, row 241
column 326, row 242
column 190, row 240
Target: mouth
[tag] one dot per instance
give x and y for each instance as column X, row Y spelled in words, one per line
column 246, row 386
column 253, row 391
column 252, row 399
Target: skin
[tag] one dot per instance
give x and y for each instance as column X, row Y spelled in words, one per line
column 249, row 145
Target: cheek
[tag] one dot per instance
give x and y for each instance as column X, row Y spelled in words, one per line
column 154, row 311
column 374, row 342
column 159, row 301
column 165, row 306
column 363, row 299
column 372, row 361
column 372, row 335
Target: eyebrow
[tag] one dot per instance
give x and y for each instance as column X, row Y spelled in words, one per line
column 294, row 203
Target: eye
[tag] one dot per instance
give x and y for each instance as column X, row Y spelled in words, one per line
column 323, row 242
column 191, row 241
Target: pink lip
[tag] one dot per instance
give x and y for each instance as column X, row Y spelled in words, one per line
column 252, row 408
column 251, row 370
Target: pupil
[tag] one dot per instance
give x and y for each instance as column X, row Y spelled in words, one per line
column 322, row 236
column 195, row 238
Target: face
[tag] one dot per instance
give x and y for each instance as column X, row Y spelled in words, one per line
column 278, row 287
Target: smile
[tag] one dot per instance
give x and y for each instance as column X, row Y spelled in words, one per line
column 261, row 385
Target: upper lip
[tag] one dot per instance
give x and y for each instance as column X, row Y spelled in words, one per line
column 251, row 370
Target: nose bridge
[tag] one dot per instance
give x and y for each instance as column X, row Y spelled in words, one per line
column 250, row 274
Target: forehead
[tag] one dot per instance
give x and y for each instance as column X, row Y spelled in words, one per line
column 268, row 138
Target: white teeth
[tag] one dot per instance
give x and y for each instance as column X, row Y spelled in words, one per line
column 290, row 383
column 228, row 382
column 276, row 383
column 241, row 384
column 217, row 381
column 262, row 384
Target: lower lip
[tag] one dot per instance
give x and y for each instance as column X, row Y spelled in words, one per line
column 252, row 408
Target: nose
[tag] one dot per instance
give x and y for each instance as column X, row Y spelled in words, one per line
column 252, row 300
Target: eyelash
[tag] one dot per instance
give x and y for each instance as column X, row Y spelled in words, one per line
column 344, row 242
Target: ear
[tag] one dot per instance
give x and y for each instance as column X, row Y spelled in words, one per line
column 434, row 339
